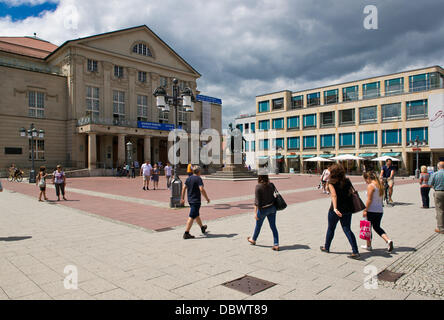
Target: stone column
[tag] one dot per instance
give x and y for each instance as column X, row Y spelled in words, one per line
column 92, row 151
column 147, row 148
column 120, row 149
column 132, row 97
column 107, row 107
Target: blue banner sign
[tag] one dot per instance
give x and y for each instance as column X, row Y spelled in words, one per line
column 208, row 99
column 155, row 126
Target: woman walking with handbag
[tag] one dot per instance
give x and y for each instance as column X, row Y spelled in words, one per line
column 341, row 208
column 264, row 207
column 374, row 209
column 59, row 181
column 425, row 188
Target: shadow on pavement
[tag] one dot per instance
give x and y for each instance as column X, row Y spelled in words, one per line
column 378, row 252
column 402, row 204
column 15, row 238
column 226, row 206
column 292, row 247
column 214, row 235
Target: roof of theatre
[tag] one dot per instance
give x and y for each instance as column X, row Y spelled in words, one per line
column 27, row 46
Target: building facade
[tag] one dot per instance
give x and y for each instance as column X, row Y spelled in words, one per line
column 247, row 125
column 369, row 118
column 92, row 96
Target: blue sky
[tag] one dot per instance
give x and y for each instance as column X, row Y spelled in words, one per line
column 23, row 11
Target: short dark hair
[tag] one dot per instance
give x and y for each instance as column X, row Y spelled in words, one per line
column 263, row 178
column 196, row 169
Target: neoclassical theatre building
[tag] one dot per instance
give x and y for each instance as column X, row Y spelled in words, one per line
column 91, row 96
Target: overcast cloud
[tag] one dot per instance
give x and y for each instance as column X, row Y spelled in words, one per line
column 245, row 48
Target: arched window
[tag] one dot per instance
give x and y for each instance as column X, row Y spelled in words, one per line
column 142, row 49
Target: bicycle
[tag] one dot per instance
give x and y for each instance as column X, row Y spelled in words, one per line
column 386, row 191
column 15, row 176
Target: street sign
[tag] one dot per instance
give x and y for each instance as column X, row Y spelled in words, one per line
column 416, row 149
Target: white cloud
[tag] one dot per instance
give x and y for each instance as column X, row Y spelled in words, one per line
column 251, row 47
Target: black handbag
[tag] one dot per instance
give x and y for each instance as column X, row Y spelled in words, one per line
column 358, row 205
column 279, row 201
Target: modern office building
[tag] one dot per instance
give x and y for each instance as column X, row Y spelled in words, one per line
column 92, row 96
column 247, row 125
column 370, row 117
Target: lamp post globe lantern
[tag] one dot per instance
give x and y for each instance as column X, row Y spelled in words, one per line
column 129, row 150
column 165, row 102
column 31, row 134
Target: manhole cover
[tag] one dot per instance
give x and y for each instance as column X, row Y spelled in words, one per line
column 249, row 285
column 163, row 229
column 389, row 276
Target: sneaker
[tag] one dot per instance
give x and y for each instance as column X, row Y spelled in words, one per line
column 188, row 236
column 364, row 246
column 143, row 188
column 204, row 229
column 390, row 246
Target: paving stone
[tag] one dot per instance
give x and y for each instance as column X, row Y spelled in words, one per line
column 96, row 286
column 17, row 290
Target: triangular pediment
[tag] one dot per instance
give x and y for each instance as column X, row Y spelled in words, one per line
column 122, row 43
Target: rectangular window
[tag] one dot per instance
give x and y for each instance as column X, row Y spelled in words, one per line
column 313, row 99
column 118, row 71
column 278, row 123
column 328, row 141
column 370, row 90
column 253, row 146
column 278, row 104
column 141, row 76
column 310, row 121
column 142, row 108
column 417, row 109
column 368, row 115
column 240, row 127
column 181, row 117
column 39, row 149
column 331, row 96
column 310, row 142
column 350, row 93
column 247, row 146
column 163, row 82
column 92, row 103
column 297, row 102
column 36, row 102
column 368, row 138
column 247, row 127
column 347, row 139
column 391, row 112
column 394, row 86
column 293, row 123
column 263, row 145
column 118, row 106
column 92, row 66
column 163, row 116
column 426, row 81
column 327, row 119
column 264, row 125
column 253, row 127
column 264, row 106
column 347, row 117
column 391, row 137
column 278, row 143
column 421, row 133
column 293, row 143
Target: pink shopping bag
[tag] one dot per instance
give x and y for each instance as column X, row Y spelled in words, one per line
column 366, row 230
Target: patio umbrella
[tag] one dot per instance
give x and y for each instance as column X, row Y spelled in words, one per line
column 385, row 158
column 318, row 159
column 346, row 157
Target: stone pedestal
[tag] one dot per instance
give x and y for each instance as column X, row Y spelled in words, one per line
column 233, row 171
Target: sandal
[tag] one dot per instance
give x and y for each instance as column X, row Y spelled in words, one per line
column 251, row 241
column 324, row 250
column 275, row 248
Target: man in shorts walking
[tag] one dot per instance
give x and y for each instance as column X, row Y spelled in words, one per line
column 145, row 171
column 195, row 189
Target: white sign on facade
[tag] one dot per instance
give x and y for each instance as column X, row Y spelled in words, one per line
column 436, row 121
column 206, row 115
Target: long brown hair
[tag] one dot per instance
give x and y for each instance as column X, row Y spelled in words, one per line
column 373, row 177
column 337, row 174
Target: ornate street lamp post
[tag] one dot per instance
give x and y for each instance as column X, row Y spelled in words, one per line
column 164, row 102
column 129, row 152
column 416, row 147
column 32, row 133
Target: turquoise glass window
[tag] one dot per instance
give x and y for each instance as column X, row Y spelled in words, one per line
column 278, row 123
column 309, row 120
column 368, row 138
column 421, row 133
column 347, row 139
column 264, row 125
column 310, row 142
column 293, row 122
column 391, row 137
column 264, row 106
column 350, row 93
column 327, row 141
column 293, row 143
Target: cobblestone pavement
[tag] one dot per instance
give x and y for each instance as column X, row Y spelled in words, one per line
column 121, row 261
column 423, row 269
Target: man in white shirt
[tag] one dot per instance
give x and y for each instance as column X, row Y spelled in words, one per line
column 145, row 171
column 168, row 174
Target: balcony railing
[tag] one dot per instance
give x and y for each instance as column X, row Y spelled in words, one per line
column 107, row 122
